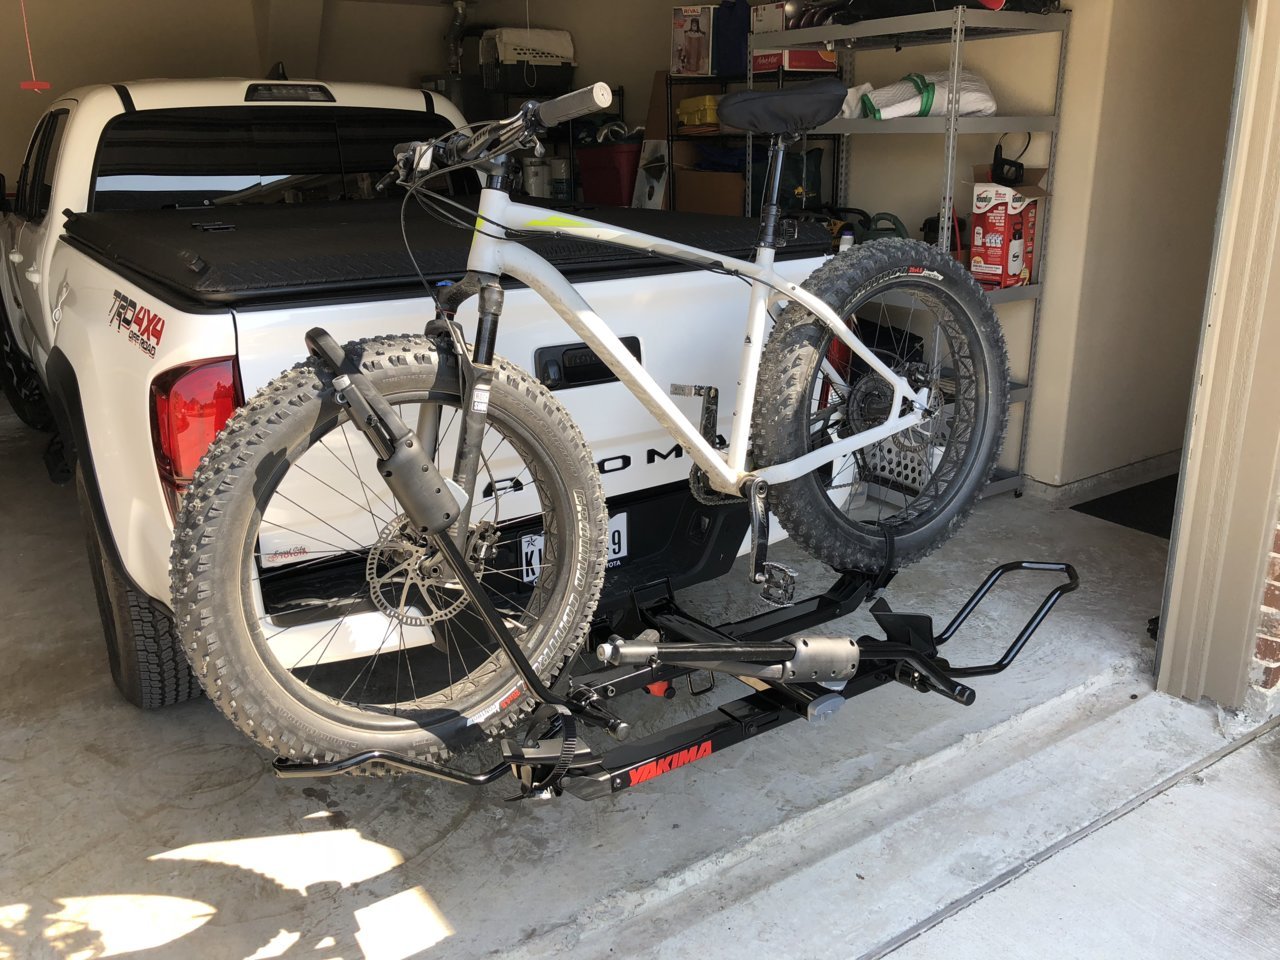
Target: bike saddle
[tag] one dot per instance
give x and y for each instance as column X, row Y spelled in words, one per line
column 789, row 110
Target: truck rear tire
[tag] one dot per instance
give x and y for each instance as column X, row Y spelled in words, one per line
column 147, row 663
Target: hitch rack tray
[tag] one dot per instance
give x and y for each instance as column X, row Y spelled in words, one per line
column 556, row 759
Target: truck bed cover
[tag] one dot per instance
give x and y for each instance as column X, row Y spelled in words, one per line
column 264, row 255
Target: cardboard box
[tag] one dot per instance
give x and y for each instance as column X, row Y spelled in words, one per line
column 710, row 191
column 768, row 17
column 691, row 41
column 1003, row 228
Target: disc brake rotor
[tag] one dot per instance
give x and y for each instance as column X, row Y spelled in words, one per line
column 408, row 580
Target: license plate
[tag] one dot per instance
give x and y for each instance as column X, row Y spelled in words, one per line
column 615, row 548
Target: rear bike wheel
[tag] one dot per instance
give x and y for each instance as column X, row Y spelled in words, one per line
column 923, row 315
column 318, row 621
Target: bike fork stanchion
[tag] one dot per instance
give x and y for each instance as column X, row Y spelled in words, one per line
column 478, row 374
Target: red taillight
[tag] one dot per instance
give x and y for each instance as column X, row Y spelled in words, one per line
column 189, row 405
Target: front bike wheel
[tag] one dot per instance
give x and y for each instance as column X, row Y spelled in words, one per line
column 923, row 315
column 317, row 620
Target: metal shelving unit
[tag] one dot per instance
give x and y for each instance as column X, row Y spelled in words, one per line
column 779, row 77
column 954, row 27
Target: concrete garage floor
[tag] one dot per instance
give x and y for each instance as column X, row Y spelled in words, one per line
column 164, row 834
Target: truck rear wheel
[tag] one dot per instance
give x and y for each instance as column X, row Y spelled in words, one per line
column 316, row 618
column 147, row 663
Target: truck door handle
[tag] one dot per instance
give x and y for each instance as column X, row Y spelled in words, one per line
column 33, row 275
column 15, row 256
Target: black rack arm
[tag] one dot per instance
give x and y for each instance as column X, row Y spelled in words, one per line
column 1037, row 618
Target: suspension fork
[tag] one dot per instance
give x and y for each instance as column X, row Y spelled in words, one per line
column 476, row 388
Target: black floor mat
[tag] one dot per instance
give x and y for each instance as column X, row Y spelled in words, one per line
column 1147, row 507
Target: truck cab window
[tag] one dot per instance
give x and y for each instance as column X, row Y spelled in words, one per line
column 21, row 198
column 47, row 159
column 200, row 157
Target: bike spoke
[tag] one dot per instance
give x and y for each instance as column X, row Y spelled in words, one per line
column 415, row 612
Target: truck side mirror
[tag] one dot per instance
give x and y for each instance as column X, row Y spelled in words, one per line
column 4, row 197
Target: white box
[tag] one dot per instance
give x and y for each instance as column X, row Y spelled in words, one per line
column 691, row 41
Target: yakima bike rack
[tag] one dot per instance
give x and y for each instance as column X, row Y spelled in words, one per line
column 655, row 642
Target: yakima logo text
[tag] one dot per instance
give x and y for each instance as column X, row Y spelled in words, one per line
column 656, row 768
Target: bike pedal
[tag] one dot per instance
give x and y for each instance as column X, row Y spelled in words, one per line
column 779, row 585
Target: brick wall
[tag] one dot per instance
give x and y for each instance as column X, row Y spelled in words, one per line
column 1266, row 672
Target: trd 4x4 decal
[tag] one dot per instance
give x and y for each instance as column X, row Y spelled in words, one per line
column 144, row 327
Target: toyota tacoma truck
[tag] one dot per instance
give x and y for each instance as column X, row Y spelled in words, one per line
column 168, row 243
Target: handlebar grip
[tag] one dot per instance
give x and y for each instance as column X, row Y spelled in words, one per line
column 576, row 104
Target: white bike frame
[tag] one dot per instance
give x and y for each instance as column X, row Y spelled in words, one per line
column 494, row 254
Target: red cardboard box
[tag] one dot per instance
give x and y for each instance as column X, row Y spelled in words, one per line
column 1004, row 228
column 768, row 17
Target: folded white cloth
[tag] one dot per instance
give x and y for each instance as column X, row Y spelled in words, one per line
column 919, row 95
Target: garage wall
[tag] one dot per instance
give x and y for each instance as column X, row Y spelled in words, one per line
column 381, row 42
column 1169, row 72
column 78, row 42
column 620, row 43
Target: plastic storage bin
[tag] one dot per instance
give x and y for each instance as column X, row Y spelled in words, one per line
column 514, row 60
column 696, row 111
column 608, row 173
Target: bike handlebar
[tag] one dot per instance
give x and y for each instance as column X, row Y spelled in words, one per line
column 579, row 103
column 517, row 131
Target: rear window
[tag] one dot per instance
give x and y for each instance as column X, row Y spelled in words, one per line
column 195, row 157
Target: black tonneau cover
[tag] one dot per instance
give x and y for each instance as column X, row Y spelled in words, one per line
column 265, row 255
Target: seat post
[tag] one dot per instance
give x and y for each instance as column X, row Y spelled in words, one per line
column 769, row 209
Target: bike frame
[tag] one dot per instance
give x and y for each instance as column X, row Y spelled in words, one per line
column 491, row 253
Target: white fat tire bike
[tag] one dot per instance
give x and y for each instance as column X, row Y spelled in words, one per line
column 817, row 385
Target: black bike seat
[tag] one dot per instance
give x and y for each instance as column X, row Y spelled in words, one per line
column 788, row 110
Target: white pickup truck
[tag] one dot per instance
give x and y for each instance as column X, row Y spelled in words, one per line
column 168, row 244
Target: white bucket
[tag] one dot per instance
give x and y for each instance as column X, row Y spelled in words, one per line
column 537, row 177
column 560, row 181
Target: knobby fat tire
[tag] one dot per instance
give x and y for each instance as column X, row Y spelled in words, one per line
column 230, row 485
column 789, row 365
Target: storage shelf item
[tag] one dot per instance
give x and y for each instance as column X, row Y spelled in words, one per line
column 1030, row 291
column 913, row 30
column 997, row 124
column 955, row 27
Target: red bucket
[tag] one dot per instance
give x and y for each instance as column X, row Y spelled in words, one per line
column 608, row 173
